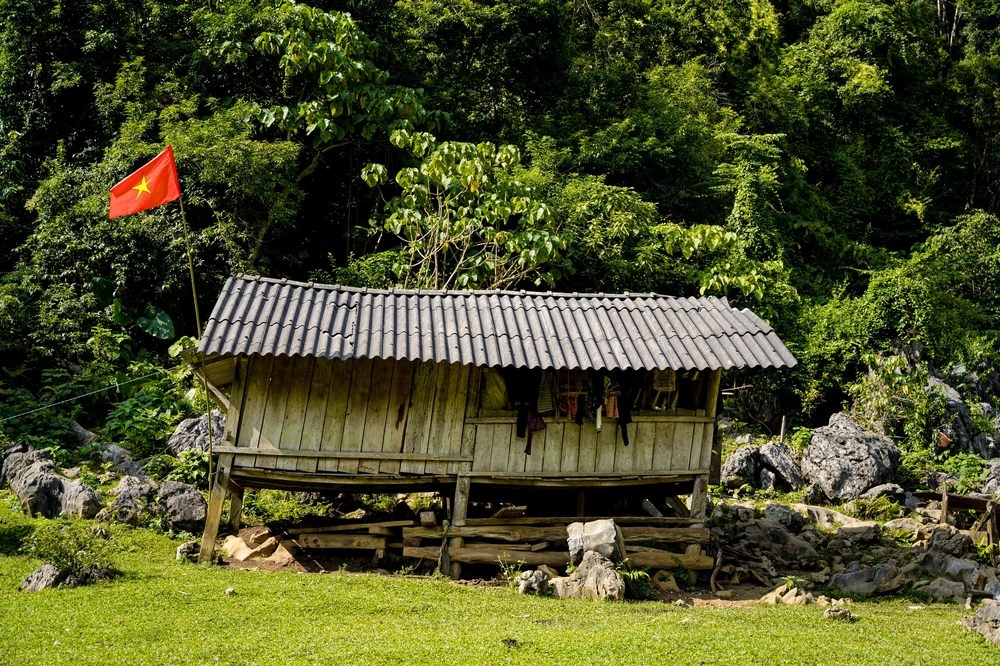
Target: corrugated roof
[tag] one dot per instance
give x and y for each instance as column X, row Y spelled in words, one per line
column 256, row 315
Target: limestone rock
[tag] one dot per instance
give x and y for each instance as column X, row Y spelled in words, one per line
column 595, row 578
column 47, row 576
column 41, row 490
column 183, row 505
column 121, row 459
column 533, row 582
column 891, row 490
column 845, row 460
column 741, row 468
column 986, row 621
column 193, row 433
column 881, row 579
column 946, row 539
column 951, row 568
column 79, row 499
column 601, row 536
column 942, row 589
column 991, row 482
column 860, row 534
column 781, row 460
column 784, row 516
column 188, row 550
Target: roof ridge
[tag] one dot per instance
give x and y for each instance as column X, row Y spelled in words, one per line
column 398, row 291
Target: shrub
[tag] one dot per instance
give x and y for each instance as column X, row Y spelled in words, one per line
column 73, row 547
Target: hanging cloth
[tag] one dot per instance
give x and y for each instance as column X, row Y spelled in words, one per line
column 546, row 392
column 522, row 389
column 630, row 383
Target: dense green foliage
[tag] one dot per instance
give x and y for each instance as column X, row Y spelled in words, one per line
column 832, row 164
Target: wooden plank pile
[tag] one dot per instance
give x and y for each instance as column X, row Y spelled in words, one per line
column 649, row 542
column 374, row 536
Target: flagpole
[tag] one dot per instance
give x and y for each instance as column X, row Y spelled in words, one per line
column 197, row 322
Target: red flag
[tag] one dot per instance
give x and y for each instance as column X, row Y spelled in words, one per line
column 153, row 184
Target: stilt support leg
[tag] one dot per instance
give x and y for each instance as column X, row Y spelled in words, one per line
column 235, row 507
column 459, row 512
column 697, row 506
column 215, row 502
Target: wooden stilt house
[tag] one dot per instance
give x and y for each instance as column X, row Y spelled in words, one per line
column 329, row 387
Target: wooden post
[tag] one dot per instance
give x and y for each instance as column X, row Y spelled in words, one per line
column 235, row 506
column 459, row 511
column 698, row 500
column 581, row 503
column 215, row 502
column 944, row 504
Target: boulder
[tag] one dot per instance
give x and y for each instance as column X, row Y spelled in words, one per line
column 41, row 489
column 951, row 568
column 950, row 541
column 767, row 480
column 595, row 578
column 991, row 481
column 533, row 582
column 79, row 499
column 986, row 621
column 193, row 433
column 138, row 499
column 600, row 536
column 121, row 459
column 784, row 516
column 880, row 579
column 942, row 589
column 780, row 459
column 845, row 460
column 741, row 468
column 770, row 537
column 860, row 534
column 893, row 491
column 47, row 576
column 188, row 551
column 183, row 506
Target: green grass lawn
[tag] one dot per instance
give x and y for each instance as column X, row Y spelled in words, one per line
column 165, row 612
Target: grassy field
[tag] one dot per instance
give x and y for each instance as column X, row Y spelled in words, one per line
column 165, row 612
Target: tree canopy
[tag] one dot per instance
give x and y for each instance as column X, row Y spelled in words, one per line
column 832, row 164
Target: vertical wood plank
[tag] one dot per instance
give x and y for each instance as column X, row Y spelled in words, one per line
column 274, row 411
column 663, row 448
column 312, row 429
column 471, row 408
column 571, row 448
column 501, row 448
column 357, row 411
column 551, row 450
column 625, row 455
column 645, row 439
column 418, row 425
column 375, row 416
column 399, row 407
column 697, row 439
column 707, row 439
column 293, row 424
column 444, row 400
column 458, row 402
column 607, row 441
column 258, row 381
column 539, row 445
column 587, row 460
column 341, row 374
column 482, row 451
column 683, row 434
column 237, row 410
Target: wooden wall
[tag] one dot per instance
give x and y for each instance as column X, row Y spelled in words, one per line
column 657, row 445
column 369, row 416
column 362, row 416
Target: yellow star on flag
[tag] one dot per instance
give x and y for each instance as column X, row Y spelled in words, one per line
column 141, row 187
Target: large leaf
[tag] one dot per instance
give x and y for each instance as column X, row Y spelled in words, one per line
column 158, row 323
